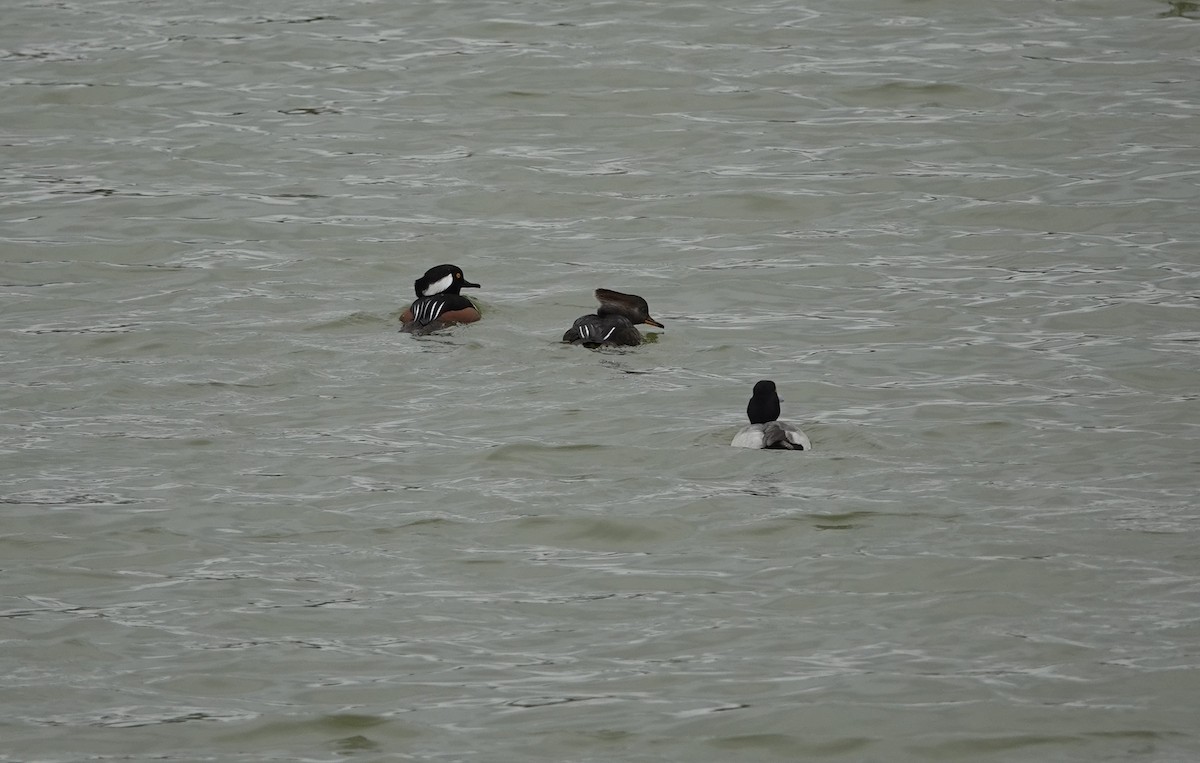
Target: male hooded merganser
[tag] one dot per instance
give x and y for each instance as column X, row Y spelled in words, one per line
column 613, row 324
column 438, row 302
column 765, row 430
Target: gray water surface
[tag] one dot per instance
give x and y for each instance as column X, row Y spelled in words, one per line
column 242, row 518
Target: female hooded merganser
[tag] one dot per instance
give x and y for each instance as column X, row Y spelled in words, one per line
column 765, row 430
column 613, row 324
column 438, row 302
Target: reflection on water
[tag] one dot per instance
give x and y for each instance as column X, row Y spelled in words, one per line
column 1181, row 8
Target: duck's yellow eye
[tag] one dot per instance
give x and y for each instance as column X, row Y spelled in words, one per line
column 458, row 275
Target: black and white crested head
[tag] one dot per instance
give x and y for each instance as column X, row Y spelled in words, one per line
column 764, row 403
column 630, row 306
column 443, row 279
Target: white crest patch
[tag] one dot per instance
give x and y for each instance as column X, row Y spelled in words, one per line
column 438, row 286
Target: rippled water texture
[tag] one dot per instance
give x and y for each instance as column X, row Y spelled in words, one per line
column 242, row 518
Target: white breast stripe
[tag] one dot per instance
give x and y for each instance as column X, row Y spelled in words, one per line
column 610, row 332
column 429, row 310
column 584, row 331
